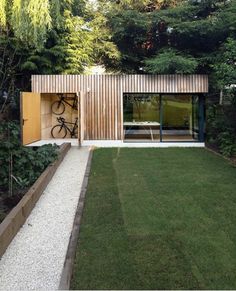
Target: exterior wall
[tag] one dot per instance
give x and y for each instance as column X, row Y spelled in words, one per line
column 103, row 108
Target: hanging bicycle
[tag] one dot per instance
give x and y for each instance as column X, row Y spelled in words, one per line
column 62, row 129
column 58, row 107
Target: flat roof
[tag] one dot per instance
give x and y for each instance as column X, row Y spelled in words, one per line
column 176, row 83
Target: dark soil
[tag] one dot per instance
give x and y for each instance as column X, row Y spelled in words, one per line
column 7, row 203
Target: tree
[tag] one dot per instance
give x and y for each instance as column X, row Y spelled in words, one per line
column 171, row 61
column 130, row 33
column 51, row 37
column 29, row 20
column 105, row 51
column 225, row 64
column 194, row 30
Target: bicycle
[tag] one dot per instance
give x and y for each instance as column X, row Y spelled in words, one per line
column 58, row 107
column 61, row 130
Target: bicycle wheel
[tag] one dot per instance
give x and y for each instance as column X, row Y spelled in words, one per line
column 75, row 133
column 59, row 131
column 58, row 107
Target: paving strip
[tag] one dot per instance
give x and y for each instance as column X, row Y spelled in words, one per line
column 34, row 260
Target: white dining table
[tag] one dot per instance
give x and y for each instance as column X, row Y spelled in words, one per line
column 144, row 124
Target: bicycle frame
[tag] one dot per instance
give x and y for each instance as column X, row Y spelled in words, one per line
column 64, row 99
column 75, row 125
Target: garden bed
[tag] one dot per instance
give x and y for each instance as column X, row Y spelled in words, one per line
column 23, row 203
column 8, row 202
column 20, row 166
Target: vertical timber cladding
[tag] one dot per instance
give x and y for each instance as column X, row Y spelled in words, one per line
column 103, row 101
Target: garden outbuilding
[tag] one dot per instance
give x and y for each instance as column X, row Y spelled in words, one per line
column 116, row 109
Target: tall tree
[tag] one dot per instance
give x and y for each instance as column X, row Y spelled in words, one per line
column 51, row 37
column 174, row 36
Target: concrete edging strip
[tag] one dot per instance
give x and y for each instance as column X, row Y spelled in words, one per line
column 71, row 250
column 18, row 215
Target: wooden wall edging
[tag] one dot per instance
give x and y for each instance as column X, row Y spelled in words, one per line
column 18, row 215
column 67, row 270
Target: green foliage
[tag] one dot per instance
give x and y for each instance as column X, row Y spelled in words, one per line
column 221, row 128
column 31, row 21
column 196, row 29
column 227, row 143
column 28, row 162
column 29, row 66
column 142, row 5
column 130, row 30
column 51, row 37
column 57, row 18
column 10, row 56
column 225, row 64
column 171, row 62
column 3, row 18
column 104, row 49
column 77, row 44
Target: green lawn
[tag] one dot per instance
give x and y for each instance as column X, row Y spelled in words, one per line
column 158, row 219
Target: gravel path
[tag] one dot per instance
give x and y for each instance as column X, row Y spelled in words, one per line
column 35, row 258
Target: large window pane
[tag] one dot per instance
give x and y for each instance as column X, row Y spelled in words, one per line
column 195, row 103
column 180, row 121
column 141, row 117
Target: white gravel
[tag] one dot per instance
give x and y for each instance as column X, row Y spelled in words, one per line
column 35, row 258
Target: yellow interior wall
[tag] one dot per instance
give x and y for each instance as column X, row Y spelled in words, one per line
column 48, row 119
column 148, row 111
column 175, row 112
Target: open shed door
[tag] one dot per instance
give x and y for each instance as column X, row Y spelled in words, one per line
column 31, row 117
column 81, row 117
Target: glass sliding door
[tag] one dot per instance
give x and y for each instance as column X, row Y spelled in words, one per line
column 179, row 118
column 141, row 117
column 162, row 117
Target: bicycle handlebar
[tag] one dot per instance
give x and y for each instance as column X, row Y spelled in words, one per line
column 60, row 119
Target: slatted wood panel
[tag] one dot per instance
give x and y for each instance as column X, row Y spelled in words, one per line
column 81, row 117
column 103, row 102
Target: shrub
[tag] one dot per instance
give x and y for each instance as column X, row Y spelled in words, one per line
column 27, row 162
column 221, row 128
column 227, row 143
